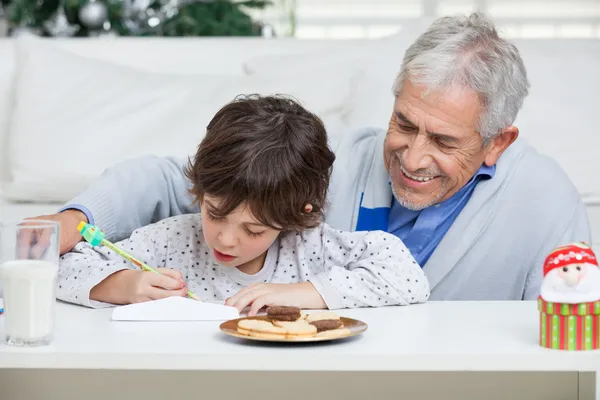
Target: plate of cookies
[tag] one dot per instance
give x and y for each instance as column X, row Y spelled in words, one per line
column 290, row 324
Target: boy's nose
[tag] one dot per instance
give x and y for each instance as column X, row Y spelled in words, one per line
column 227, row 239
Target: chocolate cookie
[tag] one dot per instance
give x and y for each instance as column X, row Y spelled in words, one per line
column 327, row 324
column 333, row 333
column 283, row 313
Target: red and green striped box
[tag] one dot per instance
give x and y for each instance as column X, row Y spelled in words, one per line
column 569, row 326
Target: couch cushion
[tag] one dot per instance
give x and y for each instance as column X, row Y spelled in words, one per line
column 75, row 116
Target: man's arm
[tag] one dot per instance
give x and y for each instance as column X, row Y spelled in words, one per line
column 136, row 193
column 129, row 195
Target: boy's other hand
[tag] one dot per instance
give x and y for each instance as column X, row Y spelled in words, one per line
column 257, row 296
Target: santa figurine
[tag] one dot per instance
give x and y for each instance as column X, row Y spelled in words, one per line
column 571, row 275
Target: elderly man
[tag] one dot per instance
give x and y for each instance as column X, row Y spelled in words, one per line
column 478, row 208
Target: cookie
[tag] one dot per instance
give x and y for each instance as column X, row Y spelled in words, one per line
column 261, row 335
column 333, row 333
column 283, row 313
column 327, row 324
column 299, row 328
column 276, row 330
column 296, row 328
column 318, row 316
column 285, row 324
column 244, row 331
column 259, row 326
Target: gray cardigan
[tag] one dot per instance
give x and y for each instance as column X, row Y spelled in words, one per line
column 493, row 251
column 495, row 248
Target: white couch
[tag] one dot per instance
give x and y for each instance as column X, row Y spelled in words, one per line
column 69, row 108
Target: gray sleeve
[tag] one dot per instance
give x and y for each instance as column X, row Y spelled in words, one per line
column 136, row 193
column 577, row 230
column 86, row 266
column 367, row 269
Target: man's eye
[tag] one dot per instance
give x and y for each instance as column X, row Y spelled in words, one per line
column 443, row 144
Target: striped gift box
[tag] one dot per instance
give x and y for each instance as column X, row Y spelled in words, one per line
column 569, row 326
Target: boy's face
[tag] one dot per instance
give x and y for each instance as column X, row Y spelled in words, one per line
column 237, row 240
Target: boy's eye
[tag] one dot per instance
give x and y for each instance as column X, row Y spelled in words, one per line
column 212, row 217
column 254, row 234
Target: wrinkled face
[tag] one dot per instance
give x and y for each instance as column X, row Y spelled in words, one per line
column 571, row 275
column 237, row 240
column 432, row 147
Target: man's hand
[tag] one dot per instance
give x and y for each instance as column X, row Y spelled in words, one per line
column 135, row 286
column 69, row 235
column 303, row 295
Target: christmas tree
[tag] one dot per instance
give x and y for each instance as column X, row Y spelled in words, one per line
column 134, row 17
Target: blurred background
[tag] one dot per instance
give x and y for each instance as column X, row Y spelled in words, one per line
column 302, row 19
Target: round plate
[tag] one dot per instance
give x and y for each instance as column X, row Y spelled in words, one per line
column 355, row 327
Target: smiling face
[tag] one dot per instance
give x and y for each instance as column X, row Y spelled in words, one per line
column 432, row 148
column 237, row 239
column 572, row 274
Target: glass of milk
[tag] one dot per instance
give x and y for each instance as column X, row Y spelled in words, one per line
column 29, row 253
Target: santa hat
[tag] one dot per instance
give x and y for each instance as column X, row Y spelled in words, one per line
column 574, row 253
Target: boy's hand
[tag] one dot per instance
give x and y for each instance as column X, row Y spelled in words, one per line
column 303, row 295
column 135, row 286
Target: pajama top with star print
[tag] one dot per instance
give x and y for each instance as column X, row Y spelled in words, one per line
column 348, row 269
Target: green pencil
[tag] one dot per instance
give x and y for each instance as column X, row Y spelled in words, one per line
column 95, row 237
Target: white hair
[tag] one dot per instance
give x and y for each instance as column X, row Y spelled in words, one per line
column 467, row 52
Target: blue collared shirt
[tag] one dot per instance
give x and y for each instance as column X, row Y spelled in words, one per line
column 421, row 231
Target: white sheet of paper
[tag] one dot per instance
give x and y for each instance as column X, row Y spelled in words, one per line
column 174, row 309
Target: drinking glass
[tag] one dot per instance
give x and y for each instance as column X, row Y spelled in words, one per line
column 29, row 254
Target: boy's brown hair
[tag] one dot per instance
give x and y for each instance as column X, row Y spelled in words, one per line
column 269, row 153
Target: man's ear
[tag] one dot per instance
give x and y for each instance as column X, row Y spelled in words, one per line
column 500, row 143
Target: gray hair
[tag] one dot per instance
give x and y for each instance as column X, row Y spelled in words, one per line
column 468, row 52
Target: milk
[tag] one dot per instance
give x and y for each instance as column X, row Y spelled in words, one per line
column 29, row 298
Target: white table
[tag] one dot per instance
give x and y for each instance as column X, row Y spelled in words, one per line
column 433, row 338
